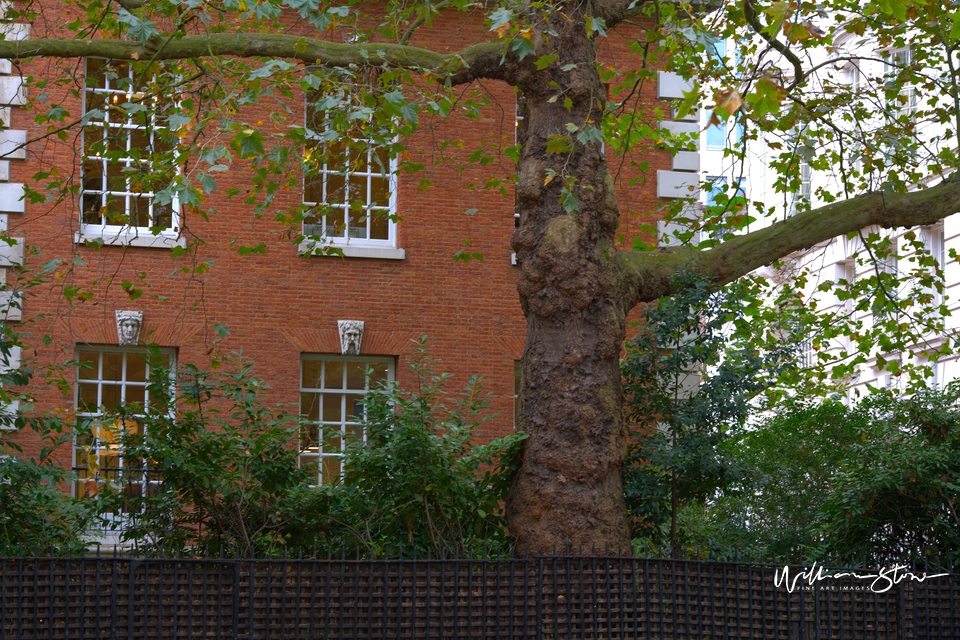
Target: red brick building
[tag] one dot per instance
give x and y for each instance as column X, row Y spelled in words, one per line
column 282, row 308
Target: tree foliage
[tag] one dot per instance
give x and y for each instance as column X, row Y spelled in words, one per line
column 35, row 515
column 691, row 377
column 874, row 482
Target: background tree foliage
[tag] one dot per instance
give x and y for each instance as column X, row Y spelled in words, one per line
column 692, row 377
column 869, row 484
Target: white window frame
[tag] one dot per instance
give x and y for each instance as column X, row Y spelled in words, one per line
column 895, row 60
column 887, row 264
column 805, row 193
column 307, row 449
column 113, row 523
column 934, row 240
column 352, row 247
column 125, row 234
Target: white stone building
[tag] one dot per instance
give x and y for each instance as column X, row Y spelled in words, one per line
column 861, row 71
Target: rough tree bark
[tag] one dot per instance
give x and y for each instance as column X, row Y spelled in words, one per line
column 568, row 490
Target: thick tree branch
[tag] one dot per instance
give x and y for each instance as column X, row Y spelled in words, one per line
column 482, row 60
column 648, row 276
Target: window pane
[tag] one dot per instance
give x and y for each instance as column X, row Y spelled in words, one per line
column 116, row 180
column 331, row 439
column 88, row 397
column 335, row 227
column 93, row 175
column 354, row 407
column 110, row 396
column 163, row 215
column 140, row 212
column 161, row 362
column 311, row 466
column 93, row 141
column 331, row 470
column 379, row 192
column 95, row 102
column 310, row 437
column 136, row 367
column 356, row 375
column 358, row 225
column 716, row 136
column 310, row 406
column 379, row 225
column 116, row 211
column 112, row 366
column 96, row 68
column 313, row 189
column 135, row 395
column 333, row 374
column 331, row 408
column 132, row 426
column 336, row 191
column 91, row 205
column 378, row 373
column 358, row 193
column 311, row 374
column 88, row 365
column 354, row 433
column 109, row 462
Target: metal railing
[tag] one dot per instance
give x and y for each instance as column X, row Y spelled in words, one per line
column 543, row 597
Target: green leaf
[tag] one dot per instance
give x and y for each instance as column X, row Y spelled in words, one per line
column 895, row 8
column 569, row 200
column 596, row 26
column 590, row 134
column 260, row 249
column 410, row 112
column 955, row 25
column 138, row 29
column 250, row 142
column 522, row 46
column 267, row 70
column 207, row 181
column 500, row 17
column 544, row 61
column 558, row 143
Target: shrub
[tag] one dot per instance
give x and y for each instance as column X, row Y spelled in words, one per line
column 419, row 483
column 34, row 514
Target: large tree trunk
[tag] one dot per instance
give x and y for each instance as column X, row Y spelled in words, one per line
column 568, row 489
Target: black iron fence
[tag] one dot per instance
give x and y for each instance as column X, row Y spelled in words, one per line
column 548, row 597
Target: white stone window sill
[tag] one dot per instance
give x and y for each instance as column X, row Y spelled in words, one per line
column 313, row 248
column 130, row 239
